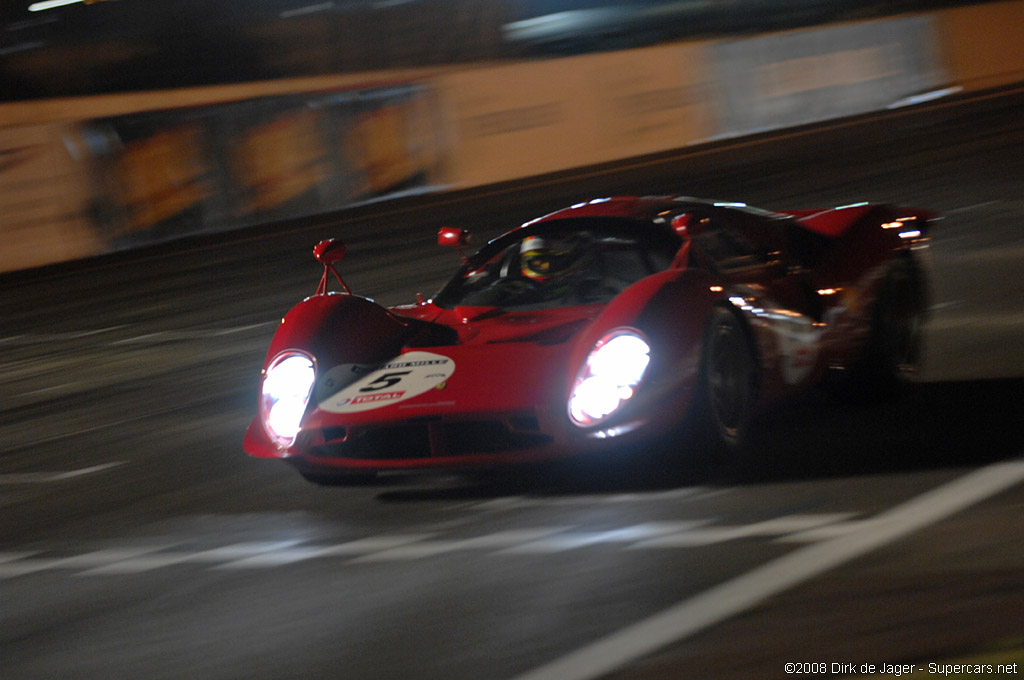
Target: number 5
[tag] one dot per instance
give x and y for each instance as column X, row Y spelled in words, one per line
column 385, row 381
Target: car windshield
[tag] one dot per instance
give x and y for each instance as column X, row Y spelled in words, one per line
column 561, row 263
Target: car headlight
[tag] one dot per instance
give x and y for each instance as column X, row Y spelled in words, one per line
column 609, row 377
column 286, row 389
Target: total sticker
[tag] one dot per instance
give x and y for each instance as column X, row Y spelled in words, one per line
column 400, row 379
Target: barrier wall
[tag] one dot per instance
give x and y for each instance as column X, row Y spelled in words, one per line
column 529, row 119
column 798, row 77
column 983, row 46
column 79, row 188
column 82, row 177
column 44, row 198
column 172, row 172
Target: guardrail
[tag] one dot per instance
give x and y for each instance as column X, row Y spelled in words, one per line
column 87, row 176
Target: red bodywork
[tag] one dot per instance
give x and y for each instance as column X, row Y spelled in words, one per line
column 491, row 384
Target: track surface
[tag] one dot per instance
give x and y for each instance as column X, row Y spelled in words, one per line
column 137, row 541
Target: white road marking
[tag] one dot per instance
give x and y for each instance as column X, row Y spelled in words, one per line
column 236, row 551
column 632, row 534
column 524, row 542
column 826, row 532
column 728, row 599
column 276, row 558
column 84, row 561
column 413, row 551
column 494, row 541
column 88, row 470
column 772, row 527
column 517, row 502
column 22, row 567
column 45, row 477
column 361, row 547
column 138, row 565
column 104, row 557
column 374, row 544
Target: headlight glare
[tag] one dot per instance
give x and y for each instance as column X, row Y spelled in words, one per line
column 286, row 389
column 609, row 376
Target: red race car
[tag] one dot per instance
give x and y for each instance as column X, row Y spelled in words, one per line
column 605, row 323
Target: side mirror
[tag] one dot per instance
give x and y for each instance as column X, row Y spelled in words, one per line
column 329, row 251
column 453, row 237
column 681, row 223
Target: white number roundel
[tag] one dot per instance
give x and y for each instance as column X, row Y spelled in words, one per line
column 404, row 377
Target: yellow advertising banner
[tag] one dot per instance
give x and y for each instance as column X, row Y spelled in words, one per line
column 392, row 144
column 44, row 198
column 279, row 160
column 161, row 175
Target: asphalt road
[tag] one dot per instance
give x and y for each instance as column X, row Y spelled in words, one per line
column 137, row 541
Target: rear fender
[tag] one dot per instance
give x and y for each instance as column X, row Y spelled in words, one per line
column 871, row 246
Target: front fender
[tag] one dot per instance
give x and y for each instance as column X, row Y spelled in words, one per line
column 334, row 329
column 670, row 309
column 339, row 328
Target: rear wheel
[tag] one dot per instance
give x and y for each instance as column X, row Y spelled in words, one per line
column 898, row 323
column 892, row 352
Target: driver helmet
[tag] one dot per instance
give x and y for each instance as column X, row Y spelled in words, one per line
column 543, row 258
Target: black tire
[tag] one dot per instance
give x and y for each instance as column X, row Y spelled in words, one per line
column 892, row 352
column 898, row 323
column 728, row 385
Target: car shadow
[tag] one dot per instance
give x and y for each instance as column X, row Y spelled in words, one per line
column 929, row 426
